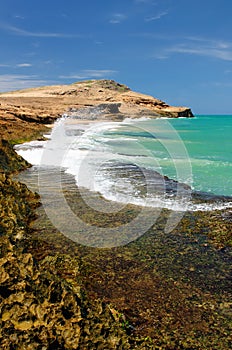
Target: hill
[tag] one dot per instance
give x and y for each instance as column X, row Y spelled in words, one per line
column 24, row 112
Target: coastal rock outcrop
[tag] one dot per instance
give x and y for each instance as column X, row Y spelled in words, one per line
column 152, row 104
column 163, row 291
column 42, row 302
column 43, row 306
column 31, row 109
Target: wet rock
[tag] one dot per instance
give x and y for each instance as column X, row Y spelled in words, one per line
column 110, row 108
column 37, row 307
column 42, row 303
column 10, row 161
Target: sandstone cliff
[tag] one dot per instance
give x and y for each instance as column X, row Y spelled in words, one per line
column 26, row 110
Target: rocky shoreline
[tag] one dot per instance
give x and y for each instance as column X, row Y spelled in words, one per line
column 163, row 291
column 25, row 113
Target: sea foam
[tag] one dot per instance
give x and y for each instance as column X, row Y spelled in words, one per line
column 83, row 150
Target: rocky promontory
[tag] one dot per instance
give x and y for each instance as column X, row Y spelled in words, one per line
column 27, row 111
column 167, row 291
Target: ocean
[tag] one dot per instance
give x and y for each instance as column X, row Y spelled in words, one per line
column 121, row 159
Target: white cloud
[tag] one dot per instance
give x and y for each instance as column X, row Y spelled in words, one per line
column 22, row 32
column 212, row 42
column 19, row 17
column 117, row 18
column 100, row 73
column 155, row 17
column 198, row 46
column 214, row 52
column 19, row 65
column 22, row 65
column 90, row 73
column 10, row 82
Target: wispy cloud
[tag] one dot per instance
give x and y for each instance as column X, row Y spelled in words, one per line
column 117, row 18
column 23, row 65
column 214, row 51
column 18, row 65
column 90, row 73
column 9, row 82
column 19, row 17
column 209, row 42
column 156, row 17
column 218, row 49
column 22, row 32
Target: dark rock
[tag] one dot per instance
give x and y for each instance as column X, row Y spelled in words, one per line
column 110, row 108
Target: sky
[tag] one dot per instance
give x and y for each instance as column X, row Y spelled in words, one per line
column 177, row 50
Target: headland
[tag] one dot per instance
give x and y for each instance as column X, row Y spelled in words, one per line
column 162, row 291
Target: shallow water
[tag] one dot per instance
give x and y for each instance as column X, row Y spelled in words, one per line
column 165, row 282
column 180, row 254
column 103, row 157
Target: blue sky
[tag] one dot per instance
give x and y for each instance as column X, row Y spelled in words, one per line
column 177, row 50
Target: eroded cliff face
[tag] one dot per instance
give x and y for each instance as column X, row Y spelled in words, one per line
column 26, row 111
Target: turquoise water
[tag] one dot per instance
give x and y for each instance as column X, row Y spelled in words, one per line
column 208, row 140
column 203, row 143
column 118, row 159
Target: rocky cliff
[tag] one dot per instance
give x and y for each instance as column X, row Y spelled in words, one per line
column 24, row 111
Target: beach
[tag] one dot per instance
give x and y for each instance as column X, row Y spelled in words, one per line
column 95, row 271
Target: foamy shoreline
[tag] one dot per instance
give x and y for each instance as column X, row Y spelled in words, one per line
column 33, row 151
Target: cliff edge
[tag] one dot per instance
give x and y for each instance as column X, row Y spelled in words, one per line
column 24, row 111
